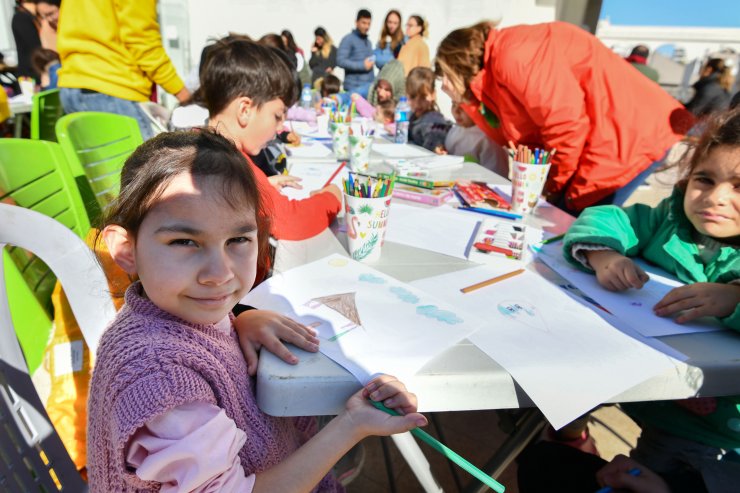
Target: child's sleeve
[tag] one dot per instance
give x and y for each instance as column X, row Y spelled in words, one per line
column 168, row 449
column 296, row 219
column 624, row 230
column 364, row 108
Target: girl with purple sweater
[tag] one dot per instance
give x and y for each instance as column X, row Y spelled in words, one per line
column 172, row 406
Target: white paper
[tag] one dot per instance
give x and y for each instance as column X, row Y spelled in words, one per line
column 400, row 150
column 438, row 230
column 634, row 306
column 566, row 358
column 367, row 321
column 313, row 177
column 310, row 150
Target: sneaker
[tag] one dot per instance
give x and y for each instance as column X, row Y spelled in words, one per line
column 350, row 465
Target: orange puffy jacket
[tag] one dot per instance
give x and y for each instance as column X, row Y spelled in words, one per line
column 556, row 86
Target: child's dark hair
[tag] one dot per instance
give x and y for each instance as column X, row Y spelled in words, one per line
column 204, row 154
column 41, row 57
column 330, row 84
column 290, row 43
column 420, row 83
column 722, row 129
column 242, row 68
column 387, row 109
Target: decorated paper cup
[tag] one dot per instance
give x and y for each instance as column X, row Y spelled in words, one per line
column 360, row 146
column 366, row 221
column 340, row 139
column 528, row 181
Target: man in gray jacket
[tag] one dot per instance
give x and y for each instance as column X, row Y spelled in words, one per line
column 355, row 56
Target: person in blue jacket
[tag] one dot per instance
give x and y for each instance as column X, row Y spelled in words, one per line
column 355, row 56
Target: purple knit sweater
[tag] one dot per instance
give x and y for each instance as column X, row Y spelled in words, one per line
column 149, row 362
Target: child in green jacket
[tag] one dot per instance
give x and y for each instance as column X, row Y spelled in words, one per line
column 694, row 234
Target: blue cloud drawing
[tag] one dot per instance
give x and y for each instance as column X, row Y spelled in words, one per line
column 405, row 295
column 445, row 316
column 372, row 279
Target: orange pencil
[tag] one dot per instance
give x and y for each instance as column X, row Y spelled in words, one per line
column 493, row 280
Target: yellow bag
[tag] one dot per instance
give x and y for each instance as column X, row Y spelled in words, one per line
column 68, row 361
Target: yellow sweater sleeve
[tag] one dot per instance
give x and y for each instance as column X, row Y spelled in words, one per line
column 140, row 35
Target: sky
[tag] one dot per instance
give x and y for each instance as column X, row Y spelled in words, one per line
column 704, row 13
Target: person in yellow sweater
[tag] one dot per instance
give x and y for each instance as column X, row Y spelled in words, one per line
column 415, row 53
column 111, row 54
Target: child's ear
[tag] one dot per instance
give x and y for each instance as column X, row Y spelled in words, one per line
column 244, row 109
column 121, row 247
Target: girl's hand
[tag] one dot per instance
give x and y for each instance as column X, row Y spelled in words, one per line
column 293, row 139
column 701, row 299
column 393, row 394
column 615, row 474
column 616, row 272
column 440, row 149
column 258, row 328
column 282, row 181
column 331, row 188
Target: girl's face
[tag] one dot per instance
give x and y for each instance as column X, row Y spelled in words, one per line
column 383, row 93
column 412, row 27
column 421, row 104
column 712, row 200
column 260, row 125
column 319, row 41
column 449, row 89
column 48, row 13
column 195, row 255
column 392, row 23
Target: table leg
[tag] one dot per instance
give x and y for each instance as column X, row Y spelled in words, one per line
column 416, row 461
column 18, row 125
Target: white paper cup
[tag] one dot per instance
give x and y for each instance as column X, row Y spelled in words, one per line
column 366, row 221
column 528, row 181
column 340, row 139
column 28, row 86
column 360, row 147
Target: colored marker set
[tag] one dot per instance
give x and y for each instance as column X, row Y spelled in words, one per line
column 366, row 186
column 496, row 239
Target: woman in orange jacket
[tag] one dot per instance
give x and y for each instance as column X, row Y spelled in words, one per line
column 556, row 86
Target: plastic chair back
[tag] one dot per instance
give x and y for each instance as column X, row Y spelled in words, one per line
column 32, row 456
column 45, row 111
column 34, row 174
column 96, row 146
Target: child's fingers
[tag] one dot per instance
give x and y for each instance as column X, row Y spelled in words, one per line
column 635, row 277
column 401, row 424
column 676, row 300
column 299, row 338
column 250, row 355
column 276, row 347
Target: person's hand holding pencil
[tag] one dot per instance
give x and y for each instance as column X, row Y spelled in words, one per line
column 626, row 474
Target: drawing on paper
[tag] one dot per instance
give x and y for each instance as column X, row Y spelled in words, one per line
column 344, row 304
column 523, row 312
column 434, row 312
column 371, row 278
column 404, row 295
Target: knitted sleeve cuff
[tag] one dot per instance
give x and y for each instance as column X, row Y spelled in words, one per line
column 578, row 251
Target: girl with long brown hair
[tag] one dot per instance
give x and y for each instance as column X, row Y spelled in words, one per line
column 391, row 39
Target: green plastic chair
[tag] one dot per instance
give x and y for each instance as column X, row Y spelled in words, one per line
column 45, row 111
column 34, row 174
column 96, row 146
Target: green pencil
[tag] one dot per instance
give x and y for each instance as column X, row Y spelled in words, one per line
column 448, row 452
column 553, row 239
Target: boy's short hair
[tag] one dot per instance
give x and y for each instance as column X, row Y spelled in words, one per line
column 363, row 14
column 330, row 85
column 41, row 57
column 243, row 68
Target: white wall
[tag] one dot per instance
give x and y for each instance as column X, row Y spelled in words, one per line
column 215, row 18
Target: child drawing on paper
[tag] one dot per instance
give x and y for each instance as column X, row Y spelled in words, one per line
column 694, row 234
column 189, row 224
